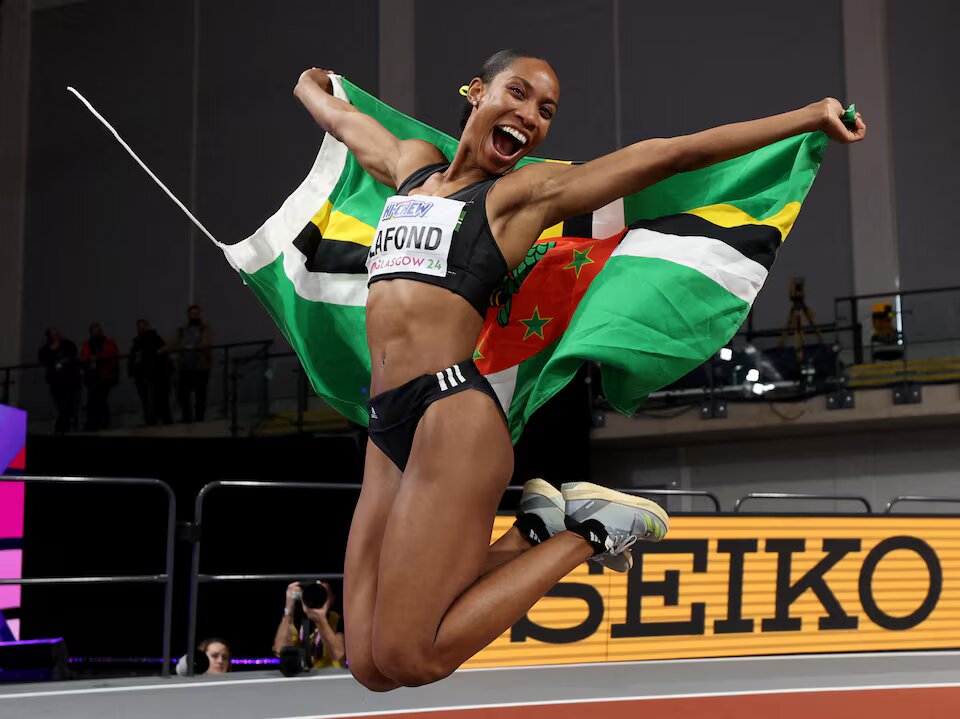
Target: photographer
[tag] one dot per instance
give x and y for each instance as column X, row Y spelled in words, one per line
column 325, row 641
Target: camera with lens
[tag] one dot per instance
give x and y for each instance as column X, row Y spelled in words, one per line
column 294, row 660
column 313, row 595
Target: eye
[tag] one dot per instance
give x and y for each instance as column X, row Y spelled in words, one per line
column 546, row 113
column 516, row 91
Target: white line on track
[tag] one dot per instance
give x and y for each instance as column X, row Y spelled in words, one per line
column 704, row 695
column 177, row 683
column 710, row 660
column 174, row 684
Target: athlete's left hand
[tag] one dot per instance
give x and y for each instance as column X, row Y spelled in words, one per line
column 831, row 112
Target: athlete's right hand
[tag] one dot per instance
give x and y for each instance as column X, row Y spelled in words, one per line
column 318, row 76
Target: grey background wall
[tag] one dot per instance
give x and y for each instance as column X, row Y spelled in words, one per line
column 877, row 465
column 691, row 66
column 102, row 243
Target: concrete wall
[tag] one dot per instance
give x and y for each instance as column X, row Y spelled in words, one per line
column 924, row 63
column 202, row 90
column 877, row 465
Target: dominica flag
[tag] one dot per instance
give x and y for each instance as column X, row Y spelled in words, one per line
column 650, row 286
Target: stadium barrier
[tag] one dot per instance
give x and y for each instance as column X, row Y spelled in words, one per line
column 166, row 579
column 195, row 535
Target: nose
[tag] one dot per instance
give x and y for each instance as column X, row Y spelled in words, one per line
column 527, row 116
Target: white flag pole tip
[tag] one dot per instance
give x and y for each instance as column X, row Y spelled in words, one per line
column 143, row 165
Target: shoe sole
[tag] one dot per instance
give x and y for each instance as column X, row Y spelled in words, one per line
column 615, row 563
column 543, row 488
column 588, row 490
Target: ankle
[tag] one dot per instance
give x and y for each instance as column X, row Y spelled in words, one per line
column 532, row 528
column 592, row 532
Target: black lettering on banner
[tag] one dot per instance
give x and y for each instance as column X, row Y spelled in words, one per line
column 378, row 243
column 527, row 629
column 669, row 589
column 735, row 623
column 388, row 236
column 432, row 241
column 400, row 236
column 929, row 557
column 787, row 594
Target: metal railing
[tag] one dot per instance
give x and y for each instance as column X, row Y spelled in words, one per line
column 901, row 306
column 656, row 493
column 166, row 579
column 918, row 498
column 782, row 495
column 35, row 398
column 196, row 577
column 195, row 535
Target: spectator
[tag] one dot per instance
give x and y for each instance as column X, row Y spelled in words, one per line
column 151, row 371
column 59, row 356
column 99, row 355
column 326, row 639
column 218, row 652
column 192, row 345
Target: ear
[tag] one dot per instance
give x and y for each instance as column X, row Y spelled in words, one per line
column 475, row 91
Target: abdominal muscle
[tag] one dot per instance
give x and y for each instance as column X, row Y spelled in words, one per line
column 413, row 329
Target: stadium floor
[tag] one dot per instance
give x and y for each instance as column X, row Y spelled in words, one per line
column 917, row 685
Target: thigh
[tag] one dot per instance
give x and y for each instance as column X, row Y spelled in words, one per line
column 381, row 481
column 438, row 534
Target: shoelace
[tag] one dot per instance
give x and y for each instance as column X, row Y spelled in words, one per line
column 621, row 545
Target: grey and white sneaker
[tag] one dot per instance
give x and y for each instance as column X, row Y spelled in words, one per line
column 541, row 511
column 612, row 521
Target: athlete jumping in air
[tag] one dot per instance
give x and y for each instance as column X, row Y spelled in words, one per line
column 424, row 590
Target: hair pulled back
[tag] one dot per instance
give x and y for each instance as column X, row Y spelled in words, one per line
column 495, row 64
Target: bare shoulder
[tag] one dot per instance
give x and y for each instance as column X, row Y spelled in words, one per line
column 525, row 185
column 414, row 154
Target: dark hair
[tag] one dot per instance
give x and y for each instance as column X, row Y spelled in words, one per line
column 495, row 64
column 214, row 640
column 193, row 307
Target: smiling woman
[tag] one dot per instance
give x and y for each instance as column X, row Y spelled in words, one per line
column 423, row 596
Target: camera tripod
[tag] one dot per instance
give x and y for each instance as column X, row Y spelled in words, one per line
column 799, row 311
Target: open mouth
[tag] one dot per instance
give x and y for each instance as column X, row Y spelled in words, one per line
column 506, row 144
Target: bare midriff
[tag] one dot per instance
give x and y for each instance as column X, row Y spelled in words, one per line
column 414, row 328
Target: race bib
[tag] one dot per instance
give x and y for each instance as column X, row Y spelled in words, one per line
column 414, row 235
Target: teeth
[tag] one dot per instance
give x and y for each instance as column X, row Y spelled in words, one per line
column 521, row 138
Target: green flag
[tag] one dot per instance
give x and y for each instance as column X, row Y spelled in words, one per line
column 651, row 285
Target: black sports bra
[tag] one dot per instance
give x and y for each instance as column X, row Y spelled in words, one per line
column 444, row 241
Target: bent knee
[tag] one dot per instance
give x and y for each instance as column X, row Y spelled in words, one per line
column 368, row 674
column 409, row 666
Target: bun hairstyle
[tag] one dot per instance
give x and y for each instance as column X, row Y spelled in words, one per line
column 495, row 64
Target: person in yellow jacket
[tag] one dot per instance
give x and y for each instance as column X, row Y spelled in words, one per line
column 327, row 635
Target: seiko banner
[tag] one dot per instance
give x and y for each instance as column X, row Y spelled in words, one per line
column 751, row 584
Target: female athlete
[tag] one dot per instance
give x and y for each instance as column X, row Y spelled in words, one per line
column 424, row 590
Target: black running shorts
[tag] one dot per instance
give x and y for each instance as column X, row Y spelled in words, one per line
column 395, row 414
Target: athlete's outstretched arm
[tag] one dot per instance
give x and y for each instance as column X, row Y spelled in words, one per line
column 563, row 191
column 379, row 152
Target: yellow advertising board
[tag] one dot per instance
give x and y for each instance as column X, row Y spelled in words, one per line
column 752, row 585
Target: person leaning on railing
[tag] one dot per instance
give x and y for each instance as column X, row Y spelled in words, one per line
column 327, row 635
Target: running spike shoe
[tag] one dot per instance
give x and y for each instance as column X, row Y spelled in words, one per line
column 612, row 521
column 541, row 511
